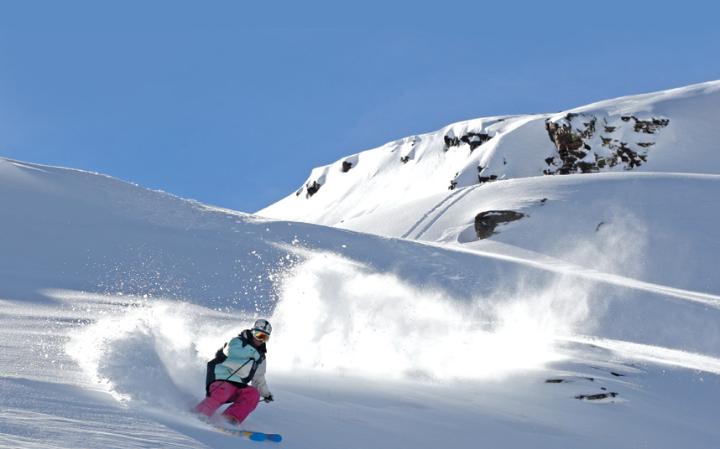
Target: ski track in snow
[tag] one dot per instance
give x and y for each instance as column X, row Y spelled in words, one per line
column 455, row 199
column 430, row 212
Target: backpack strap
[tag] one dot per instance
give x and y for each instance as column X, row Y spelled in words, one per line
column 255, row 365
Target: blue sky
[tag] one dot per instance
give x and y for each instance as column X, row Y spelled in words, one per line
column 234, row 105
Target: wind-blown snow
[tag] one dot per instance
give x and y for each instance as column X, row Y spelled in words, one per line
column 336, row 315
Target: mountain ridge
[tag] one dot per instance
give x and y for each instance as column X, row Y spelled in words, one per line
column 630, row 133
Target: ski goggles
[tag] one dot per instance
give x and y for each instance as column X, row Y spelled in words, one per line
column 260, row 335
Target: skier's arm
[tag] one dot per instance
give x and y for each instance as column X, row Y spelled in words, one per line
column 259, row 381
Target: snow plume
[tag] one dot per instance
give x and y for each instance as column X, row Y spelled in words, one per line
column 617, row 249
column 153, row 351
column 337, row 315
column 618, row 246
column 573, row 301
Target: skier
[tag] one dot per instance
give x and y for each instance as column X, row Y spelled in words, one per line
column 238, row 363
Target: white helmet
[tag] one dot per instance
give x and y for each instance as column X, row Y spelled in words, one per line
column 262, row 326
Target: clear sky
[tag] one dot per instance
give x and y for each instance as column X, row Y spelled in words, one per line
column 233, row 104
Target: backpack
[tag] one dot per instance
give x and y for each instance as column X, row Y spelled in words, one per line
column 210, row 373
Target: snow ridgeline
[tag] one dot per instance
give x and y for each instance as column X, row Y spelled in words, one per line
column 667, row 131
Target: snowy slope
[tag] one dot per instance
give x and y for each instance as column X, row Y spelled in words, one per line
column 668, row 131
column 112, row 297
column 668, row 223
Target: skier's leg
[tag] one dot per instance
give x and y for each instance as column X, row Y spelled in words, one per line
column 220, row 393
column 245, row 402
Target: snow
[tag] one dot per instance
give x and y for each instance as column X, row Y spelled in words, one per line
column 396, row 328
column 518, row 148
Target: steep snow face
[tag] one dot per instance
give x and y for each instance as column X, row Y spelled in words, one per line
column 668, row 131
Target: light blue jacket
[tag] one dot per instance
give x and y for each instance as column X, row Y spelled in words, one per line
column 244, row 364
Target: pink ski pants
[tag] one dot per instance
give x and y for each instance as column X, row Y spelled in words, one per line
column 244, row 400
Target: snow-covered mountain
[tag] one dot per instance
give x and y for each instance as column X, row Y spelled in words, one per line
column 668, row 131
column 531, row 310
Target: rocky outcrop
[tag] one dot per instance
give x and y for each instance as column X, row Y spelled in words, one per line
column 586, row 143
column 473, row 139
column 451, row 141
column 346, row 166
column 484, row 177
column 597, row 396
column 646, row 126
column 570, row 144
column 312, row 188
column 486, row 222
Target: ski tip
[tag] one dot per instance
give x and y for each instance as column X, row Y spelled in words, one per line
column 257, row 436
column 274, row 437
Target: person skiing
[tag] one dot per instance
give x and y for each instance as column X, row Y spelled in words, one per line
column 238, row 363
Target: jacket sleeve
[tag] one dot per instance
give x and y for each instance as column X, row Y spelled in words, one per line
column 259, row 381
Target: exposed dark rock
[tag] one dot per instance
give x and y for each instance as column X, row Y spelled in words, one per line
column 589, row 130
column 631, row 158
column 564, row 380
column 404, row 159
column 471, row 138
column 568, row 143
column 475, row 139
column 346, row 166
column 451, row 141
column 587, row 167
column 299, row 191
column 562, row 136
column 573, row 139
column 646, row 126
column 486, row 222
column 484, row 179
column 650, row 126
column 595, row 397
column 312, row 189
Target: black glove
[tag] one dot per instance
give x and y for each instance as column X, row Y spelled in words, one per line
column 268, row 398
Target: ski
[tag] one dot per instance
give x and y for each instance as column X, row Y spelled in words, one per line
column 250, row 435
column 242, row 433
